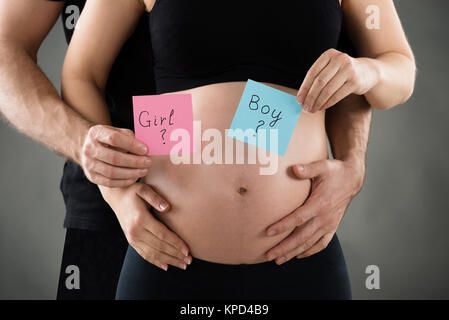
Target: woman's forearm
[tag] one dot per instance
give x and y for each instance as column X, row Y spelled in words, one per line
column 387, row 73
column 394, row 78
column 86, row 98
column 92, row 52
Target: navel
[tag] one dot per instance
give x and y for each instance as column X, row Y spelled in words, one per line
column 242, row 191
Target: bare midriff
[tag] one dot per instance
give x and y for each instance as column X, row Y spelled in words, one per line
column 222, row 211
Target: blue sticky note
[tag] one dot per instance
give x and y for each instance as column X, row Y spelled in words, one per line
column 265, row 117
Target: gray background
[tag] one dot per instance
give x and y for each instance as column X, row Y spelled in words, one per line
column 398, row 222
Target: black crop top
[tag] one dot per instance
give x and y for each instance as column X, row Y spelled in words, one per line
column 200, row 42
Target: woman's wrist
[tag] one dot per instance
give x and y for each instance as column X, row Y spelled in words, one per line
column 107, row 192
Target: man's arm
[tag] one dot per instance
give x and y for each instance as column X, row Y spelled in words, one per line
column 348, row 126
column 335, row 182
column 27, row 98
column 31, row 103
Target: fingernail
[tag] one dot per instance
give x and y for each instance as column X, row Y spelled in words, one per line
column 183, row 266
column 185, row 252
column 162, row 206
column 281, row 260
column 300, row 167
column 144, row 149
column 306, row 107
column 272, row 232
column 271, row 257
column 300, row 99
column 164, row 266
column 143, row 172
column 187, row 260
column 147, row 162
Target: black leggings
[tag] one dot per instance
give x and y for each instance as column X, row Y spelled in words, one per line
column 321, row 276
column 99, row 257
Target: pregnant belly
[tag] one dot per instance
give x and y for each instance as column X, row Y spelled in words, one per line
column 222, row 211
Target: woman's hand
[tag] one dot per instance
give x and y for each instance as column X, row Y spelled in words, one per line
column 148, row 236
column 112, row 157
column 334, row 184
column 334, row 76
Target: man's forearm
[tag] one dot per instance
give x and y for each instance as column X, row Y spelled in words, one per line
column 32, row 104
column 347, row 126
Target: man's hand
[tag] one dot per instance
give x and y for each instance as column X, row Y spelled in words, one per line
column 112, row 157
column 334, row 184
column 148, row 236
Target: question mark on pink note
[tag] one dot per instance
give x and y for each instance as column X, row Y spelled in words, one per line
column 163, row 131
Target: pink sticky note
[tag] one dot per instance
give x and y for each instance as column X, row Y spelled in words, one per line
column 156, row 117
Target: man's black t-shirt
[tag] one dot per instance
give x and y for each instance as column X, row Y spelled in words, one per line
column 131, row 74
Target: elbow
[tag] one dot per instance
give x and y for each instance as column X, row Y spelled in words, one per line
column 400, row 96
column 412, row 79
column 385, row 104
column 68, row 78
column 74, row 76
column 408, row 81
column 379, row 104
column 408, row 93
